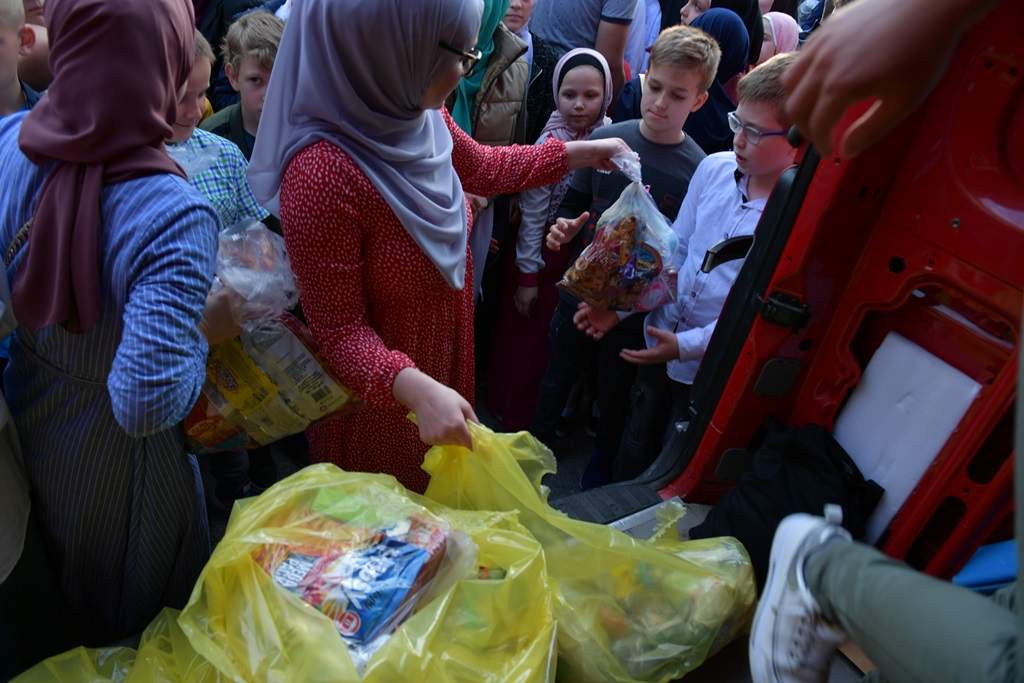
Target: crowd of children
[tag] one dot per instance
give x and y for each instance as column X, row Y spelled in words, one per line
column 334, row 130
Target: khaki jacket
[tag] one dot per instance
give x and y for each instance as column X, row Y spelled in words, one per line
column 500, row 113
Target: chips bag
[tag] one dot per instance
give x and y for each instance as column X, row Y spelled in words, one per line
column 628, row 610
column 627, row 267
column 270, row 382
column 337, row 577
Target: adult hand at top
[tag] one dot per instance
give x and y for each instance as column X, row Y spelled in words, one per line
column 892, row 52
column 595, row 153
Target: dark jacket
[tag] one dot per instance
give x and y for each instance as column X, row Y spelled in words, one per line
column 540, row 100
column 227, row 123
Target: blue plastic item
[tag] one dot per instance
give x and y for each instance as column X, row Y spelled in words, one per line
column 992, row 567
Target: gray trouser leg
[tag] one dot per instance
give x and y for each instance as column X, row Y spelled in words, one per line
column 915, row 628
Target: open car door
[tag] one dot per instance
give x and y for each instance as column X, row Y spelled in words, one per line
column 904, row 266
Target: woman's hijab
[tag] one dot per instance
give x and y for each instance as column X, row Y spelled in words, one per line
column 557, row 127
column 782, row 34
column 332, row 81
column 469, row 86
column 96, row 140
column 750, row 12
column 709, row 125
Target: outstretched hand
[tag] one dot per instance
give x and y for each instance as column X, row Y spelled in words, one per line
column 665, row 349
column 564, row 230
column 594, row 322
column 890, row 52
column 595, row 153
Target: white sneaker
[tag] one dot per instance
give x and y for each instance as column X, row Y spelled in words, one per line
column 790, row 642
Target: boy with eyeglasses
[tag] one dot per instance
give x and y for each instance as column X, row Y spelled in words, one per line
column 725, row 199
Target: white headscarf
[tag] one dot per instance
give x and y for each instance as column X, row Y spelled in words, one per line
column 353, row 73
column 557, row 127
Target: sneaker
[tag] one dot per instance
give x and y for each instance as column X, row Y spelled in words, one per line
column 790, row 641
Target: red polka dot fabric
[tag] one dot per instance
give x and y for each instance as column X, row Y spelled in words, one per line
column 374, row 301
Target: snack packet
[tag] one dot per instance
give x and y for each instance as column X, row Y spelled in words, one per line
column 366, row 580
column 627, row 267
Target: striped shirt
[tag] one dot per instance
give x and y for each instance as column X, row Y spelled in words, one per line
column 216, row 167
column 118, row 497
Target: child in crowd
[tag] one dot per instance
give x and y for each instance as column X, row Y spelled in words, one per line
column 684, row 61
column 214, row 166
column 249, row 50
column 16, row 41
column 709, row 125
column 582, row 85
column 726, row 198
column 781, row 35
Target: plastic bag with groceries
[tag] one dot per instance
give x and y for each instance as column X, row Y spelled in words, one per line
column 627, row 267
column 270, row 381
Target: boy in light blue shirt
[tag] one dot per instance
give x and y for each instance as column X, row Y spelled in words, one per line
column 726, row 197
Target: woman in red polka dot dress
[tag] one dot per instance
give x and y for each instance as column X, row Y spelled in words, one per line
column 371, row 198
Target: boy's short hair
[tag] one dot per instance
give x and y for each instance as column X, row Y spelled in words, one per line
column 203, row 49
column 688, row 47
column 257, row 35
column 764, row 85
column 12, row 14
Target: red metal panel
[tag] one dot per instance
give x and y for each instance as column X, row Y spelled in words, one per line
column 924, row 236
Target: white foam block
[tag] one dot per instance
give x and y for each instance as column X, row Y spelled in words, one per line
column 906, row 407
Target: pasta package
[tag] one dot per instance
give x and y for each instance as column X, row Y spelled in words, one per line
column 265, row 385
column 628, row 265
column 270, row 382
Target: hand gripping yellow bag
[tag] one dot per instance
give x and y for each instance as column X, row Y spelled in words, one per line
column 627, row 610
column 336, row 576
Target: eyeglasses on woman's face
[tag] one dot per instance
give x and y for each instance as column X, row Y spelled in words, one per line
column 469, row 60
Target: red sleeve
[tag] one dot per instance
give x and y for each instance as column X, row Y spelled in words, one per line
column 491, row 171
column 320, row 206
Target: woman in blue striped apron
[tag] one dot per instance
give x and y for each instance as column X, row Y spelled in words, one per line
column 110, row 254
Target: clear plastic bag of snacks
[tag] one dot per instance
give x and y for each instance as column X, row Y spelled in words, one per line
column 627, row 267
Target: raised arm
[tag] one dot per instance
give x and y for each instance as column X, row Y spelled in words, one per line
column 491, row 171
column 160, row 363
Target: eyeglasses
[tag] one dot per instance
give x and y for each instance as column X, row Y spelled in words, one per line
column 468, row 59
column 754, row 136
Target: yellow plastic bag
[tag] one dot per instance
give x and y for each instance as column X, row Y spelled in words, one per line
column 627, row 610
column 164, row 656
column 294, row 583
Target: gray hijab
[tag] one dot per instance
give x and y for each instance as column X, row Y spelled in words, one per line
column 353, row 72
